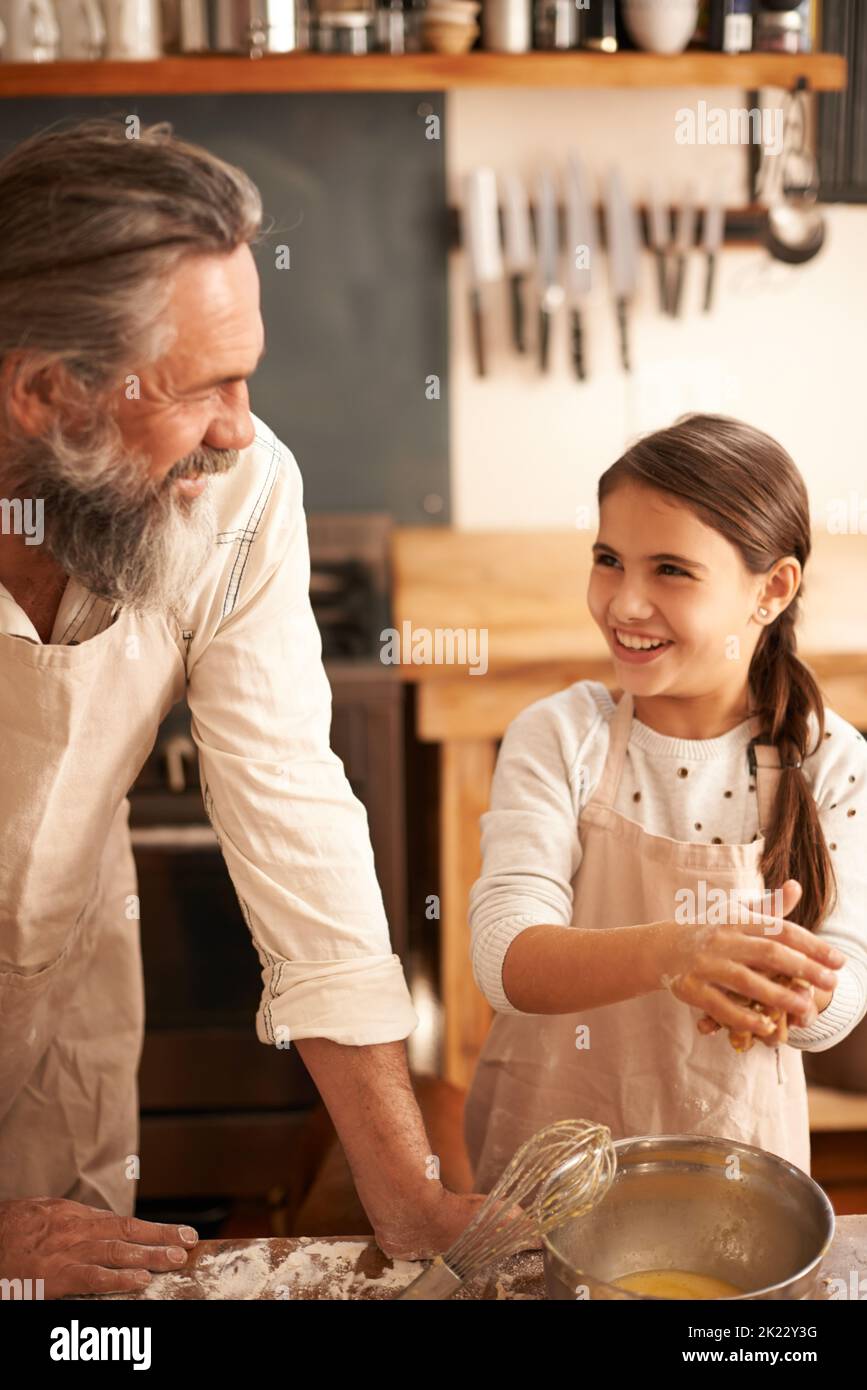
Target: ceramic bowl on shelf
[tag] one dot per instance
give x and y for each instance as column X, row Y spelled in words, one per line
column 452, row 11
column 661, row 26
column 441, row 36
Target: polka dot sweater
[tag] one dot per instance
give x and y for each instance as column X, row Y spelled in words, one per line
column 701, row 790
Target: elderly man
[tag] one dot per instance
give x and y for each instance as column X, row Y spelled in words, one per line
column 173, row 563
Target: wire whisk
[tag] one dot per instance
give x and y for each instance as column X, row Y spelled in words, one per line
column 557, row 1175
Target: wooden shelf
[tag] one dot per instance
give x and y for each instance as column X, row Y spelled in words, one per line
column 420, row 72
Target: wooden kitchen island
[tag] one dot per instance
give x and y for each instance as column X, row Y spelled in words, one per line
column 527, row 591
column 335, row 1268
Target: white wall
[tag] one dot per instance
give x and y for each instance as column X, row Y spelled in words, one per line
column 784, row 348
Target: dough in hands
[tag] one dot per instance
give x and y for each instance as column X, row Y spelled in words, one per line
column 742, row 1041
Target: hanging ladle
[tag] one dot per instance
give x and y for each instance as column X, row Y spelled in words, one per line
column 795, row 228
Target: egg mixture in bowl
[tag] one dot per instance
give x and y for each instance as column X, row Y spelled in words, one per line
column 692, row 1217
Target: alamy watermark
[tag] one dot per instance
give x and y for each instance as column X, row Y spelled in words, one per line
column 735, row 125
column 24, row 1289
column 847, row 516
column 77, row 1343
column 23, row 517
column 440, row 646
column 719, row 907
column 837, row 1289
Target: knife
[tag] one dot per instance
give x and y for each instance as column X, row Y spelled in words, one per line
column 482, row 240
column 548, row 252
column 712, row 239
column 623, row 244
column 581, row 254
column 518, row 247
column 659, row 226
column 684, row 242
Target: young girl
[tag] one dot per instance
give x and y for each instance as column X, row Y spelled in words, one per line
column 616, row 829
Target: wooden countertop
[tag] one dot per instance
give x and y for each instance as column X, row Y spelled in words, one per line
column 344, row 1268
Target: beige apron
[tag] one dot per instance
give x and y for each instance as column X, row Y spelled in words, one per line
column 76, row 724
column 647, row 1070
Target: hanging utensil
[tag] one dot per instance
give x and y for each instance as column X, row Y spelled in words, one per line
column 684, row 242
column 482, row 240
column 659, row 228
column 623, row 249
column 581, row 255
column 713, row 233
column 548, row 254
column 795, row 228
column 518, row 248
column 557, row 1175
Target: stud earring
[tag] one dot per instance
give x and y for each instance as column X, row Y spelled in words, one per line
column 763, row 612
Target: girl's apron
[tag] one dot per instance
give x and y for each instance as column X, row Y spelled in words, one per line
column 76, row 724
column 647, row 1069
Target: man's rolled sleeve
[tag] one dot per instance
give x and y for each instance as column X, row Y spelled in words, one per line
column 294, row 837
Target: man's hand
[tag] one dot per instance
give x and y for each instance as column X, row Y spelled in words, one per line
column 370, row 1099
column 431, row 1230
column 84, row 1250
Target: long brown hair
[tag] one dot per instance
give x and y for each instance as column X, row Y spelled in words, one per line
column 743, row 484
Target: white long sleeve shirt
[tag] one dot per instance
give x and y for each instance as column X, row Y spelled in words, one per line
column 549, row 765
column 294, row 837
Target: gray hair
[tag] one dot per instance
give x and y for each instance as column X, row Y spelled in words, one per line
column 93, row 224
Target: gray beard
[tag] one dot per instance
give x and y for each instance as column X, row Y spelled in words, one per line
column 127, row 540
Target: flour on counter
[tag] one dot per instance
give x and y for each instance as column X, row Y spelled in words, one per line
column 322, row 1269
column 331, row 1268
column 161, row 1286
column 232, row 1274
column 236, row 1273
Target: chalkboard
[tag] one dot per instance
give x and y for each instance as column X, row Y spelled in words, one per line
column 358, row 325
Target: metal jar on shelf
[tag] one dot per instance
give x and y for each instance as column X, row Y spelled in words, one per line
column 507, row 26
column 252, row 27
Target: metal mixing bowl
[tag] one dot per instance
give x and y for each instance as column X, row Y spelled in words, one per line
column 672, row 1206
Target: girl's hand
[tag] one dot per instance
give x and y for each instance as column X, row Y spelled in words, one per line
column 708, row 967
column 742, row 1042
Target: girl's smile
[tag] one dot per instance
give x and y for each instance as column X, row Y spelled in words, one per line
column 638, row 651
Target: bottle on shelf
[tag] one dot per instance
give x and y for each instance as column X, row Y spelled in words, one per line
column 599, row 26
column 779, row 31
column 556, row 24
column 731, row 26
